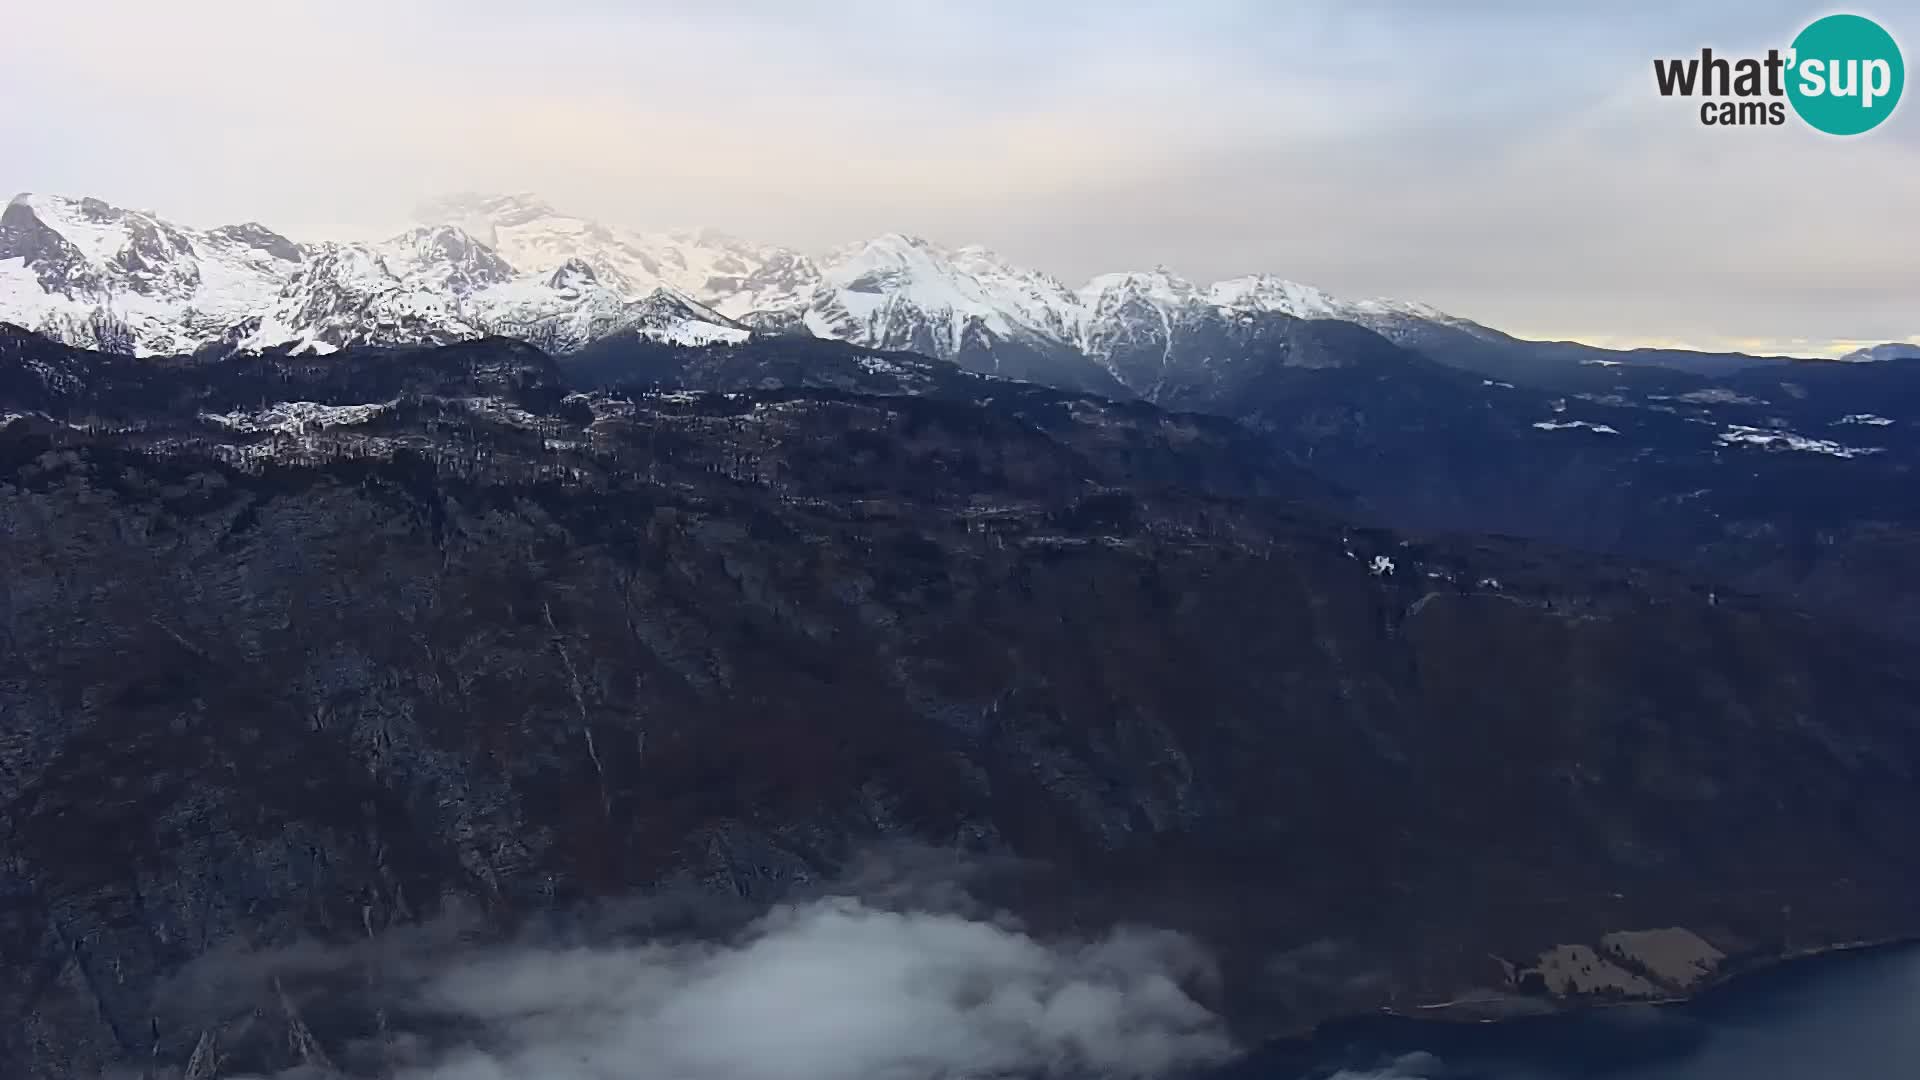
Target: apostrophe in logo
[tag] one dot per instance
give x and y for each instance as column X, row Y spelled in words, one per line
column 1842, row 75
column 1846, row 74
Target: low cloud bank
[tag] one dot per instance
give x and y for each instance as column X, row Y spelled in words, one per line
column 889, row 984
column 832, row 990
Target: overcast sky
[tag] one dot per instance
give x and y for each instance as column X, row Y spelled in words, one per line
column 1508, row 161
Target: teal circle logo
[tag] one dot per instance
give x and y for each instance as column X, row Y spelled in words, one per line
column 1845, row 75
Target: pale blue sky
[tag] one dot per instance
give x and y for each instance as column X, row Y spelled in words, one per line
column 1505, row 160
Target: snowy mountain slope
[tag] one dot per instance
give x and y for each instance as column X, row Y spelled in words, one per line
column 127, row 281
column 444, row 259
column 730, row 275
column 1154, row 329
column 1131, row 322
column 969, row 306
column 569, row 308
column 350, row 294
column 441, row 285
column 901, row 292
column 1266, row 293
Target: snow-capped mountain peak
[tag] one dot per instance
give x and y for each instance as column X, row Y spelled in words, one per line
column 905, row 292
column 888, row 262
column 707, row 265
column 669, row 317
column 1159, row 286
column 259, row 240
column 444, row 257
column 1130, row 322
column 1267, row 293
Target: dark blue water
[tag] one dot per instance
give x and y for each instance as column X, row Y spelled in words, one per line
column 1849, row 1016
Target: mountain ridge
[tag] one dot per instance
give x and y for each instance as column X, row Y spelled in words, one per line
column 120, row 280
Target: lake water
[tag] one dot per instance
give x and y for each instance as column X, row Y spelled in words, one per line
column 1853, row 1016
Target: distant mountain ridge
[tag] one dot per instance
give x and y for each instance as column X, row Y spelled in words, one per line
column 1892, row 350
column 128, row 281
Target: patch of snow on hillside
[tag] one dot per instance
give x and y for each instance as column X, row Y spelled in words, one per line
column 1738, row 435
column 1598, row 429
column 1717, row 395
column 298, row 417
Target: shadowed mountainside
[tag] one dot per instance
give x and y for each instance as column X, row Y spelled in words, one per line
column 301, row 647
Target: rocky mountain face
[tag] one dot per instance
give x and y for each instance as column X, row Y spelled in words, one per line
column 326, row 648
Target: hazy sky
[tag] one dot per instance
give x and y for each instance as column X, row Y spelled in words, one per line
column 1508, row 161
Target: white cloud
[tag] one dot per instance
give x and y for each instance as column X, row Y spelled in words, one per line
column 830, row 989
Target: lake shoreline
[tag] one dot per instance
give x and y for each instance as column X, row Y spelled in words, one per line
column 1572, row 1026
column 1524, row 1007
